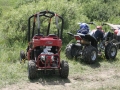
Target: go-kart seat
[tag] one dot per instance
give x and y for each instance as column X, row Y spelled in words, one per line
column 37, row 36
column 52, row 35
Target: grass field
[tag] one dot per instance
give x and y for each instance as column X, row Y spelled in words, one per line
column 103, row 75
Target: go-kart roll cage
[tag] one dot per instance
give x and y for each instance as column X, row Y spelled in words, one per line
column 47, row 14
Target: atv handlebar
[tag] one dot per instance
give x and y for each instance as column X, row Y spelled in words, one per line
column 90, row 23
column 69, row 33
column 104, row 24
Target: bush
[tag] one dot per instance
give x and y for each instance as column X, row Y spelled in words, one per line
column 0, row 12
column 101, row 10
column 15, row 20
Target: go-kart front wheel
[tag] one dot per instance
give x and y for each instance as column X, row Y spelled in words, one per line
column 32, row 71
column 64, row 70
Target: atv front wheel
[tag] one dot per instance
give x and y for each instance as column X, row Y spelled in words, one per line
column 70, row 51
column 90, row 54
column 64, row 71
column 32, row 71
column 110, row 51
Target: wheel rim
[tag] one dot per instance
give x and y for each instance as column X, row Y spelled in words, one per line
column 93, row 55
column 113, row 52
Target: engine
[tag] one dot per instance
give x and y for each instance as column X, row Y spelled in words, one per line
column 48, row 57
column 46, row 51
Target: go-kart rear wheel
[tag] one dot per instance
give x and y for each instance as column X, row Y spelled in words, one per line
column 22, row 56
column 70, row 51
column 110, row 51
column 90, row 54
column 64, row 71
column 32, row 71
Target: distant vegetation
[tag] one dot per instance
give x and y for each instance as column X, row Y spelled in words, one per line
column 14, row 15
column 13, row 30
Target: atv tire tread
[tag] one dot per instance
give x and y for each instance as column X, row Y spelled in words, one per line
column 87, row 54
column 70, row 51
column 107, row 51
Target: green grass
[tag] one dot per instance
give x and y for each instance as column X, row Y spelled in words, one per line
column 12, row 72
column 6, row 5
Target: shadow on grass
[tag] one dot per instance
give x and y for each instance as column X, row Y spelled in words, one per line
column 112, row 60
column 50, row 79
column 100, row 59
column 93, row 65
column 103, row 58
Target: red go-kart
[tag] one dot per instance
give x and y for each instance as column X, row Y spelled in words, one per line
column 43, row 51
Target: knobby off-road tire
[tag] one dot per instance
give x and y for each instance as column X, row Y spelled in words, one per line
column 90, row 54
column 22, row 56
column 32, row 71
column 70, row 51
column 110, row 51
column 64, row 71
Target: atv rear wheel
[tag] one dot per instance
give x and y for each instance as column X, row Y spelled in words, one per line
column 110, row 51
column 32, row 71
column 90, row 54
column 64, row 71
column 70, row 51
column 22, row 56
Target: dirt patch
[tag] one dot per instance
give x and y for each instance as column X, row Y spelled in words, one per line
column 103, row 79
column 109, row 79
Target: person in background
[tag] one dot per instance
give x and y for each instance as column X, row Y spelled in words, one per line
column 84, row 28
column 99, row 33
